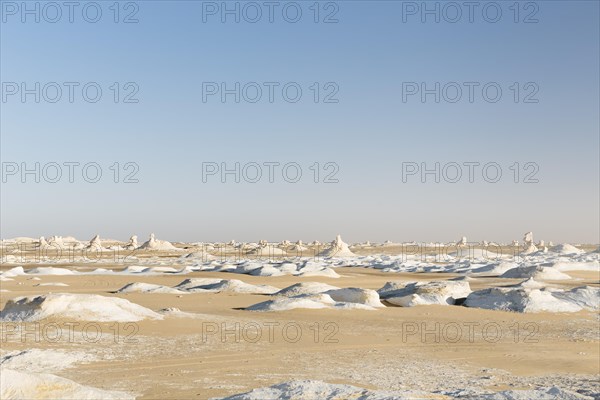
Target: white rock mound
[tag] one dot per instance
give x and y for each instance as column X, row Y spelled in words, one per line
column 325, row 272
column 26, row 385
column 338, row 249
column 566, row 249
column 193, row 284
column 530, row 248
column 495, row 268
column 530, row 284
column 134, row 269
column 154, row 244
column 81, row 307
column 305, row 288
column 94, row 244
column 548, row 393
column 267, row 270
column 291, row 303
column 313, row 390
column 366, row 297
column 309, row 301
column 16, row 271
column 237, row 286
column 40, row 360
column 587, row 297
column 42, row 242
column 537, row 272
column 133, row 243
column 140, row 287
column 520, row 300
column 201, row 255
column 267, row 250
column 593, row 266
column 424, row 293
column 50, row 271
column 298, row 248
column 224, row 285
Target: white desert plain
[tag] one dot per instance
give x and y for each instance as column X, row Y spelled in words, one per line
column 105, row 319
column 299, row 199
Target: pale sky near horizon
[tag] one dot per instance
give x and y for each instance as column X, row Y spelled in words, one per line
column 366, row 121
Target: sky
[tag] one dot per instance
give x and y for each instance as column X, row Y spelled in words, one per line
column 301, row 120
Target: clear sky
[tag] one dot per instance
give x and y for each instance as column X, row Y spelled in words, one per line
column 371, row 61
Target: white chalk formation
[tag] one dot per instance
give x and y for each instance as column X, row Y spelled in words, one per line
column 322, row 300
column 42, row 243
column 537, row 272
column 297, row 248
column 215, row 285
column 409, row 294
column 154, row 244
column 139, row 287
column 338, row 249
column 201, row 255
column 267, row 250
column 132, row 244
column 95, row 243
column 566, row 249
column 366, row 297
column 527, row 299
column 27, row 385
column 311, row 389
column 305, row 288
column 530, row 248
column 81, row 307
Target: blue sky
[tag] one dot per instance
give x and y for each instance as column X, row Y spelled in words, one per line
column 369, row 133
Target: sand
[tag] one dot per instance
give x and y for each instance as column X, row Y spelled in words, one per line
column 193, row 336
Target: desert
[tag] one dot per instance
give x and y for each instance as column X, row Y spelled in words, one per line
column 189, row 321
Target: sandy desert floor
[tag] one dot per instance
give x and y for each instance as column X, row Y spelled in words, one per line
column 206, row 345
